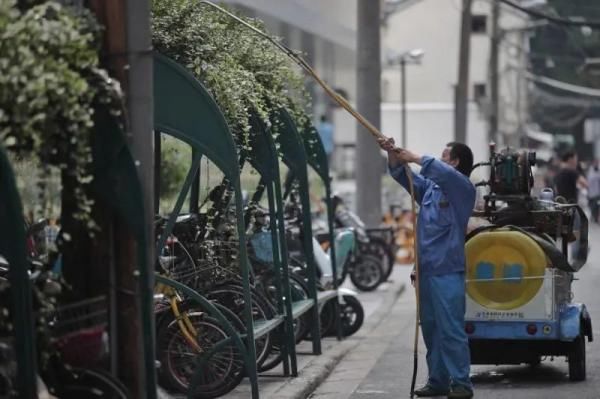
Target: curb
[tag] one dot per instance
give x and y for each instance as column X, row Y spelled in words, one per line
column 315, row 372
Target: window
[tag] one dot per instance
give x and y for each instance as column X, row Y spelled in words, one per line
column 479, row 24
column 479, row 91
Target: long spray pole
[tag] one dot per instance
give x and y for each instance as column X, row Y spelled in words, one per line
column 370, row 128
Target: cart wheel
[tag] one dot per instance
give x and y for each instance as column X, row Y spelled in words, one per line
column 535, row 362
column 577, row 371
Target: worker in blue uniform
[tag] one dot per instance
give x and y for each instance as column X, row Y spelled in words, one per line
column 446, row 198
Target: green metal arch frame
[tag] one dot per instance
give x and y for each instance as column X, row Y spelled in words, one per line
column 184, row 109
column 315, row 152
column 172, row 79
column 317, row 159
column 116, row 181
column 264, row 159
column 294, row 156
column 263, row 154
column 12, row 247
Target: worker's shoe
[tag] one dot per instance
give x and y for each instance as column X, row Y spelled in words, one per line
column 460, row 392
column 429, row 391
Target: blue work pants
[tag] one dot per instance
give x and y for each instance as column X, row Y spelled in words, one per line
column 442, row 304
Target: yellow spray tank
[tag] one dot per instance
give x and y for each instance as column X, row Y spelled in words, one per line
column 505, row 269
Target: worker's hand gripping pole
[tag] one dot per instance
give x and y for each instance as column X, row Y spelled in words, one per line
column 368, row 126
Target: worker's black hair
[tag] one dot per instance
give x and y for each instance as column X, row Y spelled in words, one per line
column 324, row 118
column 463, row 153
column 567, row 155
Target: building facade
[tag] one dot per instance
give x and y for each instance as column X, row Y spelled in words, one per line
column 324, row 31
column 433, row 26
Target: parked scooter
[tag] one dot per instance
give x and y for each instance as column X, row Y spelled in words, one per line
column 375, row 254
column 352, row 312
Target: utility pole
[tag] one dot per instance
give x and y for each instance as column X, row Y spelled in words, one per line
column 140, row 104
column 368, row 92
column 403, row 99
column 126, row 54
column 462, row 88
column 522, row 101
column 494, row 74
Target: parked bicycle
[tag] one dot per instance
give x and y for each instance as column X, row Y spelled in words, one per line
column 71, row 339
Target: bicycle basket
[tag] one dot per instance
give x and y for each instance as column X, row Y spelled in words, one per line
column 262, row 246
column 79, row 331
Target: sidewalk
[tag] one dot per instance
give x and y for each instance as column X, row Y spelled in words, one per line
column 381, row 364
column 313, row 370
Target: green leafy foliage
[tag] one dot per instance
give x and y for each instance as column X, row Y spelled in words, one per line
column 243, row 71
column 50, row 84
column 175, row 159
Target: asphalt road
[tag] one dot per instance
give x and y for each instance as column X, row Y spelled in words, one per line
column 381, row 367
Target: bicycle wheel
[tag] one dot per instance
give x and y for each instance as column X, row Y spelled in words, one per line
column 379, row 248
column 274, row 356
column 89, row 384
column 232, row 297
column 327, row 319
column 301, row 327
column 299, row 291
column 367, row 272
column 221, row 372
column 352, row 314
column 177, row 261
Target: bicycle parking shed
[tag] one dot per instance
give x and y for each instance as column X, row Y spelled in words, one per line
column 317, row 159
column 295, row 157
column 266, row 161
column 12, row 247
column 185, row 110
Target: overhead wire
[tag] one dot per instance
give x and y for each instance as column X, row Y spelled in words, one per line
column 550, row 18
column 558, row 117
column 566, row 100
column 558, row 84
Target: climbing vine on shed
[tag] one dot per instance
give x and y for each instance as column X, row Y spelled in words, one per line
column 244, row 73
column 50, row 84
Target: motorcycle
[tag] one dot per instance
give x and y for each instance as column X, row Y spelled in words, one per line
column 351, row 310
column 373, row 261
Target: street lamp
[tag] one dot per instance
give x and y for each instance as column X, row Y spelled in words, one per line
column 408, row 57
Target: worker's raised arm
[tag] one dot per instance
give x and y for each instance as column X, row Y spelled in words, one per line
column 397, row 161
column 457, row 187
column 398, row 172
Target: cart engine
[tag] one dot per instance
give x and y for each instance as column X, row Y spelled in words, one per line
column 526, row 245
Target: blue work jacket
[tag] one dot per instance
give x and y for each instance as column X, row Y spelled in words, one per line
column 446, row 198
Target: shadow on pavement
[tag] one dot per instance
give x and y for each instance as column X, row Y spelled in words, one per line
column 546, row 374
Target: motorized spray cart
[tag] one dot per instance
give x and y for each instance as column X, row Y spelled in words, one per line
column 520, row 269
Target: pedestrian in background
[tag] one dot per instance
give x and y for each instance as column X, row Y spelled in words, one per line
column 569, row 180
column 552, row 168
column 567, row 183
column 593, row 180
column 326, row 133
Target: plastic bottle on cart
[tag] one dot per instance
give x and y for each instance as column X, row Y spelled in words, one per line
column 546, row 197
